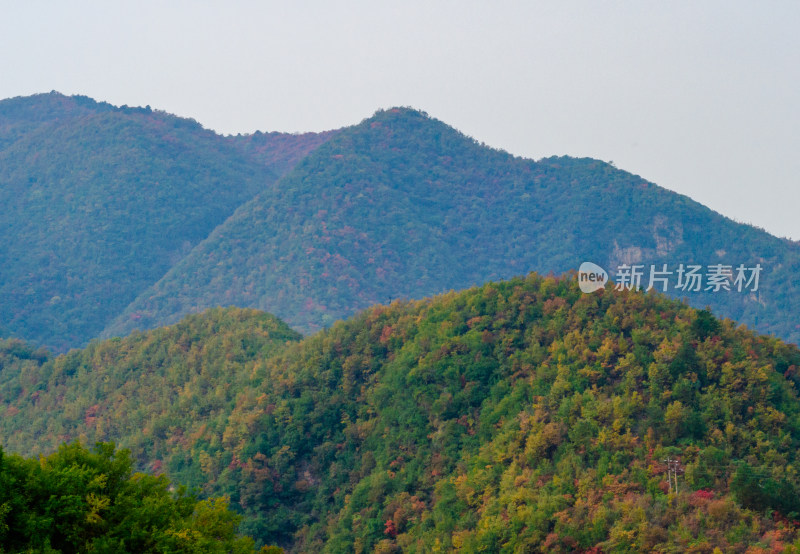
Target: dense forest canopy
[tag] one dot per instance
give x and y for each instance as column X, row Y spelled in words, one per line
column 520, row 415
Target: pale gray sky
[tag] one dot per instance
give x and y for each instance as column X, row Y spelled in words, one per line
column 700, row 97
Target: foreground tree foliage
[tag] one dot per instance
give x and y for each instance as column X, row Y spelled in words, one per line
column 521, row 416
column 77, row 500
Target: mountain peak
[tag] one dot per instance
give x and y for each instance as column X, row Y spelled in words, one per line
column 404, row 114
column 400, row 112
column 46, row 106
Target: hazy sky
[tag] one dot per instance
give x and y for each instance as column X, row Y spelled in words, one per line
column 700, row 97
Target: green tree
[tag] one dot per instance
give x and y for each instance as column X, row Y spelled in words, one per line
column 80, row 500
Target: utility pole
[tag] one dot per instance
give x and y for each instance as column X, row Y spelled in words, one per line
column 673, row 467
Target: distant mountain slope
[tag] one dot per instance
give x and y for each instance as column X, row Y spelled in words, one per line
column 521, row 416
column 98, row 202
column 113, row 219
column 402, row 205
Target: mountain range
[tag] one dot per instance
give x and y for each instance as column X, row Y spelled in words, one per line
column 118, row 218
column 517, row 414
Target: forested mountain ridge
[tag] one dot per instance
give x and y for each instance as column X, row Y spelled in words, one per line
column 98, row 202
column 517, row 416
column 404, row 206
column 113, row 219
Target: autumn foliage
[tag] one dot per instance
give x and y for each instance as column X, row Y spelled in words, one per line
column 517, row 416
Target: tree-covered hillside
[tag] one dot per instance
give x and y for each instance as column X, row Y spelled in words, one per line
column 98, row 202
column 515, row 417
column 403, row 206
column 150, row 391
